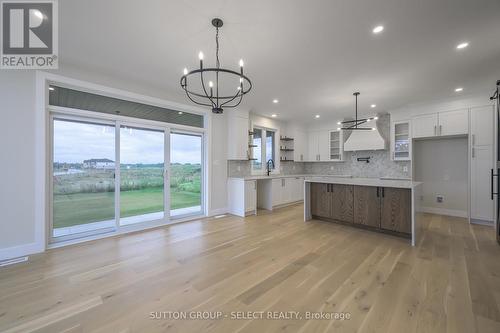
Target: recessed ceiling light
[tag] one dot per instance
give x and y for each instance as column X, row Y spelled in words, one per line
column 462, row 45
column 459, row 89
column 338, row 122
column 373, row 106
column 274, row 115
column 275, row 101
column 316, row 116
column 378, row 29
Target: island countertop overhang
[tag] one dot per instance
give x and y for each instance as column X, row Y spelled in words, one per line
column 375, row 182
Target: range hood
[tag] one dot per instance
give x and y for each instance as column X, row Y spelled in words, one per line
column 365, row 140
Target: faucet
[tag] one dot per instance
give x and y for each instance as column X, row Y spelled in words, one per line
column 268, row 166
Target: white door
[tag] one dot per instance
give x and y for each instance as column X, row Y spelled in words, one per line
column 482, row 125
column 482, row 207
column 425, row 125
column 312, row 151
column 277, row 192
column 286, row 190
column 454, row 122
column 324, row 145
column 250, row 195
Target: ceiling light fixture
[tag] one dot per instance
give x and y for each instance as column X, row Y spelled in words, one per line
column 459, row 89
column 373, row 106
column 275, row 101
column 316, row 116
column 353, row 124
column 274, row 115
column 378, row 29
column 208, row 97
column 462, row 45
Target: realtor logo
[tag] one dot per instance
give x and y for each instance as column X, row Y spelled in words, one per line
column 29, row 35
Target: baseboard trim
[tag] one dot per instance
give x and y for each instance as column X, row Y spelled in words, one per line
column 218, row 211
column 20, row 251
column 482, row 222
column 447, row 212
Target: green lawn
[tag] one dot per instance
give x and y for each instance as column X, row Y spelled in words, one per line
column 80, row 208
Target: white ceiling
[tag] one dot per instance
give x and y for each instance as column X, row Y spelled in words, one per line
column 311, row 55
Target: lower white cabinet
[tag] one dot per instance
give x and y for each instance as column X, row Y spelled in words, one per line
column 242, row 196
column 279, row 191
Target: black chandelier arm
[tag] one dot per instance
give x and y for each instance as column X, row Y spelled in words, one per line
column 195, row 71
column 196, row 102
column 205, row 89
column 238, row 93
column 353, row 121
column 239, row 102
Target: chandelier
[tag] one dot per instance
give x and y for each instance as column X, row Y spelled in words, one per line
column 212, row 94
column 353, row 124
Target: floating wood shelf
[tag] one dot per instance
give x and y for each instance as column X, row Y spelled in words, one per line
column 284, row 138
column 286, row 149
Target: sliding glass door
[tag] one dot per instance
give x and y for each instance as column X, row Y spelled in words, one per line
column 186, row 173
column 142, row 171
column 157, row 172
column 83, row 178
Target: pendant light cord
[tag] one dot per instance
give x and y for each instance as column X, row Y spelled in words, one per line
column 217, row 63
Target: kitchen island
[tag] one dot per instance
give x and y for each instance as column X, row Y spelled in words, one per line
column 381, row 205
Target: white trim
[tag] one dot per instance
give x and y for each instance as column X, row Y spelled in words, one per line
column 447, row 212
column 482, row 222
column 42, row 146
column 19, row 251
column 218, row 211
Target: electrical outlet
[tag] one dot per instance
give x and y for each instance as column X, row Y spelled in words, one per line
column 439, row 198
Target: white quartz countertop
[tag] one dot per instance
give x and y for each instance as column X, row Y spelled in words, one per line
column 273, row 176
column 382, row 182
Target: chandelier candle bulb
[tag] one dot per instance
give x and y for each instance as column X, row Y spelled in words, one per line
column 185, row 71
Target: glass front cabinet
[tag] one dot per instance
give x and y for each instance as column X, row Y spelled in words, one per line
column 401, row 140
column 336, row 146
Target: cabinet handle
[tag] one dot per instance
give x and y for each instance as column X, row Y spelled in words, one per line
column 378, row 191
column 440, row 129
column 473, row 139
column 435, row 130
column 492, row 176
column 383, row 193
column 473, row 152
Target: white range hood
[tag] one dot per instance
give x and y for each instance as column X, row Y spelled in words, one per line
column 365, row 140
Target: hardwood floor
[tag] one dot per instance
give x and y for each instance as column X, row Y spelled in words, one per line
column 450, row 282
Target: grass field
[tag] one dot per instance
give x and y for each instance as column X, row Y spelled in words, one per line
column 80, row 208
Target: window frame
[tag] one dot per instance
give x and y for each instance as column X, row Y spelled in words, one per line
column 263, row 154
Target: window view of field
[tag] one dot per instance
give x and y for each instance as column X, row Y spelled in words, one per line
column 85, row 196
column 84, row 173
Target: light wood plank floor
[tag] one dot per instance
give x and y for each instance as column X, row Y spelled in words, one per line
column 450, row 282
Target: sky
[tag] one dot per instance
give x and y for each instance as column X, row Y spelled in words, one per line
column 75, row 142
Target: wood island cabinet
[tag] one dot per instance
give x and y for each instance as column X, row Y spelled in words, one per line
column 396, row 209
column 367, row 206
column 384, row 209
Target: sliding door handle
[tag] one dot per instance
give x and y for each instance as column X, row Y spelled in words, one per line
column 383, row 192
column 473, row 152
column 378, row 191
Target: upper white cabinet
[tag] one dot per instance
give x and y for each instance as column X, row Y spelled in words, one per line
column 318, row 146
column 401, row 140
column 441, row 124
column 300, row 149
column 238, row 140
column 482, row 126
column 425, row 125
column 454, row 122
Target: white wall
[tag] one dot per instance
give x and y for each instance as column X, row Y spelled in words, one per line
column 18, row 220
column 17, row 160
column 442, row 164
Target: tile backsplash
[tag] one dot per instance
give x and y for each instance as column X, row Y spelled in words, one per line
column 380, row 164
